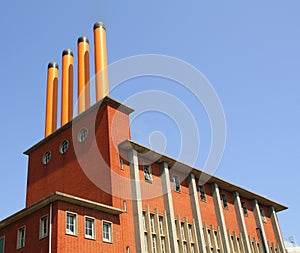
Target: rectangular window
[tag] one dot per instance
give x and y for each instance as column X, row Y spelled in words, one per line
column 89, row 227
column 184, row 247
column 106, row 231
column 190, row 233
column 144, row 221
column 202, row 193
column 245, row 209
column 263, row 215
column 147, row 173
column 224, row 200
column 161, row 226
column 146, row 242
column 192, row 248
column 71, row 224
column 154, row 244
column 121, row 164
column 21, row 238
column 182, row 231
column 43, row 227
column 176, row 183
column 152, row 223
column 163, row 245
column 2, row 244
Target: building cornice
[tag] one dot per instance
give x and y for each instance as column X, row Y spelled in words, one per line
column 63, row 197
column 158, row 158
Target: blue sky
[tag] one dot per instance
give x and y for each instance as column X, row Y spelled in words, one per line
column 249, row 51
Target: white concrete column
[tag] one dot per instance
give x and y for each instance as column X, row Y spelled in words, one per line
column 220, row 217
column 168, row 203
column 260, row 226
column 196, row 213
column 276, row 228
column 136, row 201
column 241, row 221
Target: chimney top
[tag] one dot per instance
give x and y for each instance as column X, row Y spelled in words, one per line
column 52, row 65
column 99, row 24
column 83, row 39
column 67, row 52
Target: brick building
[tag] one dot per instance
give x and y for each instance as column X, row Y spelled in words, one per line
column 90, row 188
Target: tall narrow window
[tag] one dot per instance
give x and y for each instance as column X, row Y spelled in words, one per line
column 146, row 242
column 147, row 173
column 152, row 223
column 154, row 244
column 125, row 205
column 2, row 244
column 161, row 225
column 176, row 183
column 184, row 247
column 263, row 215
column 192, row 248
column 21, row 238
column 224, row 200
column 89, row 228
column 106, row 231
column 163, row 245
column 43, row 227
column 202, row 193
column 245, row 209
column 182, row 231
column 71, row 224
column 121, row 164
column 144, row 221
column 190, row 233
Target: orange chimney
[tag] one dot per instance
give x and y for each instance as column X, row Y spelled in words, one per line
column 67, row 86
column 51, row 100
column 100, row 61
column 83, row 74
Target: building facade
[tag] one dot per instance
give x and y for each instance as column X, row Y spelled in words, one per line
column 90, row 188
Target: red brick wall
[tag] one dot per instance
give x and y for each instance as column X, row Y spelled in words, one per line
column 71, row 244
column 207, row 208
column 268, row 227
column 250, row 220
column 230, row 214
column 32, row 242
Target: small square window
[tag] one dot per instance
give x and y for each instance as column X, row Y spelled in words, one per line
column 224, row 200
column 106, row 231
column 89, row 224
column 147, row 173
column 202, row 193
column 245, row 209
column 21, row 238
column 43, row 227
column 71, row 224
column 176, row 183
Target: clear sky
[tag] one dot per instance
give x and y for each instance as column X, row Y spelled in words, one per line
column 249, row 51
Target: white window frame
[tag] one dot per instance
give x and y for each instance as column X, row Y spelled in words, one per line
column 161, row 225
column 152, row 223
column 93, row 236
column 68, row 232
column 42, row 233
column 147, row 173
column 110, row 240
column 21, row 244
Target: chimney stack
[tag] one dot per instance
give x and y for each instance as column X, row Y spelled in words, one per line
column 67, row 86
column 100, row 61
column 83, row 74
column 51, row 100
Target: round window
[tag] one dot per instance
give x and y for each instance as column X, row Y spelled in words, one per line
column 64, row 146
column 83, row 133
column 47, row 157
